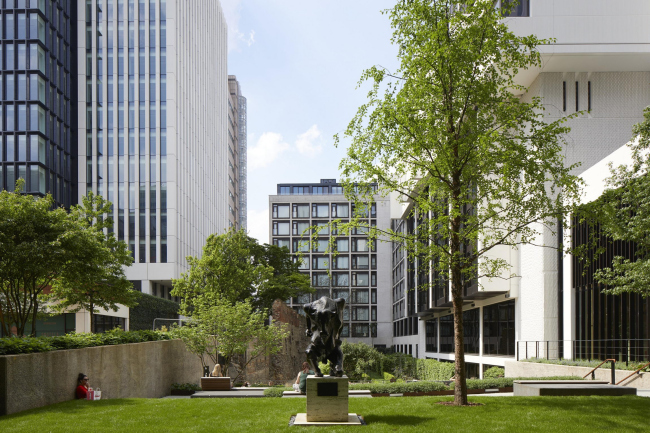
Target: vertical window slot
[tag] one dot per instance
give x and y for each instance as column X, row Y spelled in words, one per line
column 563, row 95
column 589, row 95
column 577, row 103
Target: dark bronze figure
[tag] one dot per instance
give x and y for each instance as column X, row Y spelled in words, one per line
column 324, row 323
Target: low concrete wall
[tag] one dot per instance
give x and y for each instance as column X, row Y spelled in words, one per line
column 533, row 369
column 139, row 370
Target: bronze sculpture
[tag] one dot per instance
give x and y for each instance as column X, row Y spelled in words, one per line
column 324, row 323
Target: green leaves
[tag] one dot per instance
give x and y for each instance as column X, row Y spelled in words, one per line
column 623, row 213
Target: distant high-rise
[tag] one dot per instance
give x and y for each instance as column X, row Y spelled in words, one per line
column 237, row 154
column 154, row 132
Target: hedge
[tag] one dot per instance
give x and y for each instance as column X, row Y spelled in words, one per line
column 151, row 307
column 431, row 369
column 399, row 387
column 276, row 391
column 16, row 345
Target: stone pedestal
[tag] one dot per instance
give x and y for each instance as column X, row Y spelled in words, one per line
column 327, row 399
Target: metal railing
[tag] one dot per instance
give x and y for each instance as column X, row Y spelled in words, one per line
column 621, row 350
column 612, row 365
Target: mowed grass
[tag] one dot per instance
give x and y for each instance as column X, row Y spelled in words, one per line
column 507, row 414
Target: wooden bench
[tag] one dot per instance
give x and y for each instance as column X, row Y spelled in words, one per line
column 215, row 384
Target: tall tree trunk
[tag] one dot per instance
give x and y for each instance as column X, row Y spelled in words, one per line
column 460, row 385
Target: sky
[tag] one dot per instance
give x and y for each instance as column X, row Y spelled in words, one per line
column 299, row 63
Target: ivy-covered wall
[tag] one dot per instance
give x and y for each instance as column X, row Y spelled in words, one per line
column 149, row 308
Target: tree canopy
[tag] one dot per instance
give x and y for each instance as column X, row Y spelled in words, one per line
column 94, row 276
column 623, row 213
column 479, row 165
column 43, row 248
column 236, row 268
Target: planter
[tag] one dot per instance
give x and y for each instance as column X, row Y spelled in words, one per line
column 215, row 384
column 182, row 392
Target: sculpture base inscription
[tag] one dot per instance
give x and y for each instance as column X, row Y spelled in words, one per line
column 327, row 399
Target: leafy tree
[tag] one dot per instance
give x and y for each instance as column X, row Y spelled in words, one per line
column 623, row 213
column 34, row 246
column 446, row 131
column 235, row 267
column 220, row 328
column 93, row 277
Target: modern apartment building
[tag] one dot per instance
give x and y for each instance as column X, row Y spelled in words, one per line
column 600, row 64
column 237, row 153
column 354, row 272
column 129, row 99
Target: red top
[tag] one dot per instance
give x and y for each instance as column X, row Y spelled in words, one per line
column 82, row 392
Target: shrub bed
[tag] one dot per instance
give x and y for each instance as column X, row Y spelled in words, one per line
column 276, row 391
column 15, row 345
column 586, row 363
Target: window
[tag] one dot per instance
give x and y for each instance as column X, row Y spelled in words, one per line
column 285, row 190
column 320, row 246
column 360, row 262
column 517, row 8
column 360, row 245
column 360, row 330
column 499, row 329
column 320, row 210
column 280, row 211
column 300, row 246
column 337, row 190
column 345, row 331
column 342, row 245
column 338, row 293
column 340, row 280
column 320, row 190
column 280, row 228
column 373, row 296
column 322, row 228
column 360, row 296
column 431, row 341
column 320, row 262
column 340, row 211
column 359, row 279
column 300, row 190
column 360, row 313
column 320, row 280
column 303, row 262
column 300, row 229
column 342, row 262
column 282, row 243
column 301, row 211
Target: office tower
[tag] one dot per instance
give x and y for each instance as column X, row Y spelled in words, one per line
column 38, row 111
column 359, row 272
column 237, row 145
column 153, row 131
column 598, row 66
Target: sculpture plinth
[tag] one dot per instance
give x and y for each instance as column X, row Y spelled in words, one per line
column 327, row 399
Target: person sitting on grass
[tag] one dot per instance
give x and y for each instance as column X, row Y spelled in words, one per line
column 82, row 386
column 217, row 371
column 301, row 379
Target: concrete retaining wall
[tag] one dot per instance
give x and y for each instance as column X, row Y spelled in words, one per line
column 139, row 370
column 533, row 369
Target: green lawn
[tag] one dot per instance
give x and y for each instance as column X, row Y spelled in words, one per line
column 507, row 414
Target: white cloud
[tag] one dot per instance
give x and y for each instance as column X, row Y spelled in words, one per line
column 258, row 225
column 231, row 10
column 309, row 143
column 268, row 147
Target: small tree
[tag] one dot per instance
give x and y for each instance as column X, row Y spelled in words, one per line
column 219, row 328
column 481, row 167
column 94, row 276
column 623, row 213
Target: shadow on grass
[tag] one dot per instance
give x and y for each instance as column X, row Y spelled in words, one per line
column 397, row 420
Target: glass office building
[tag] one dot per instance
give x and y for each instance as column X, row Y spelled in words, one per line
column 38, row 94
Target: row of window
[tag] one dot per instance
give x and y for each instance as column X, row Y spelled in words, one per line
column 351, row 296
column 322, row 210
column 339, row 262
column 322, row 245
column 338, row 279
